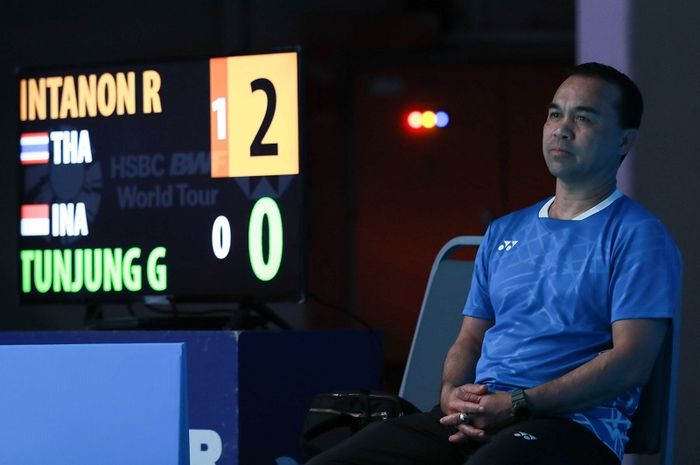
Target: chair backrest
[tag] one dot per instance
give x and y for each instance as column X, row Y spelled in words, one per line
column 653, row 424
column 438, row 323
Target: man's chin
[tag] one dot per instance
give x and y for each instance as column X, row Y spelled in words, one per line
column 559, row 170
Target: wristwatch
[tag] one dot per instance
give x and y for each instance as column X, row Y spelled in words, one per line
column 520, row 407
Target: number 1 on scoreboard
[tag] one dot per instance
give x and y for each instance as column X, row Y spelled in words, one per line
column 218, row 106
column 218, row 91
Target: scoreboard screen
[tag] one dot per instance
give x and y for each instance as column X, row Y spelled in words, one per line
column 177, row 179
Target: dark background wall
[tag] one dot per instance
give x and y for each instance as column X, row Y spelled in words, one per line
column 666, row 61
column 493, row 65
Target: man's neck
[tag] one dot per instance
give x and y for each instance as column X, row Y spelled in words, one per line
column 570, row 202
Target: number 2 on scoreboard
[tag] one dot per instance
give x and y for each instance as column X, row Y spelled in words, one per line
column 254, row 115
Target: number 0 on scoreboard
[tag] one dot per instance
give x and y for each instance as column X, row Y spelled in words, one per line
column 254, row 115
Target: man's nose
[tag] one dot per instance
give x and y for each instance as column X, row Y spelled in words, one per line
column 563, row 132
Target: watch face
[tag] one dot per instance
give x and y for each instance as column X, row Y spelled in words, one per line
column 520, row 407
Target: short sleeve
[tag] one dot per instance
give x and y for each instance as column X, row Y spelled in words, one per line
column 478, row 303
column 646, row 277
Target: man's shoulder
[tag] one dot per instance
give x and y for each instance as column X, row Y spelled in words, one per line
column 632, row 215
column 635, row 224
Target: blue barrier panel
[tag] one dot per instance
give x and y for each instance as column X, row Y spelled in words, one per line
column 243, row 386
column 87, row 404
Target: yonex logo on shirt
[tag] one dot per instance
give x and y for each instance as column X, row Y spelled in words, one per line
column 507, row 245
column 526, row 436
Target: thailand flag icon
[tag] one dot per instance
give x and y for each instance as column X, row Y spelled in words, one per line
column 34, row 148
column 34, row 220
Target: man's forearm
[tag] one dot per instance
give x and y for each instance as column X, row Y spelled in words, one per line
column 626, row 366
column 457, row 394
column 460, row 367
column 589, row 385
column 460, row 364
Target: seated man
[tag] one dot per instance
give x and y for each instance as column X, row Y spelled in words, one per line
column 561, row 330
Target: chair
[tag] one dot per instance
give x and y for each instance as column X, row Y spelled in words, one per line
column 653, row 424
column 439, row 323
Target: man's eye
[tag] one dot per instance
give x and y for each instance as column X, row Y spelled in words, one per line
column 553, row 115
column 582, row 119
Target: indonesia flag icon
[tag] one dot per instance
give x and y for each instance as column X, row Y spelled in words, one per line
column 35, row 220
column 34, row 148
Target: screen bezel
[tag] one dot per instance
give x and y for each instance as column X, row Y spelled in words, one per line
column 122, row 297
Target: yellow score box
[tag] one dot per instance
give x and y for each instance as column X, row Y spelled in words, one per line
column 254, row 111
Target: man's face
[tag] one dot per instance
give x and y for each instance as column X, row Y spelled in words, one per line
column 582, row 139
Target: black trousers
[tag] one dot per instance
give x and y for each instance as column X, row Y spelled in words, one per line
column 421, row 440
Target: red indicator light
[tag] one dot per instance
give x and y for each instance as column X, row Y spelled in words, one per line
column 415, row 119
column 427, row 119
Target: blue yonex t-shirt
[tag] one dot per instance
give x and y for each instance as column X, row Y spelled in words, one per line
column 554, row 287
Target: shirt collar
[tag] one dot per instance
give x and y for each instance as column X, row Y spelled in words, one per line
column 544, row 211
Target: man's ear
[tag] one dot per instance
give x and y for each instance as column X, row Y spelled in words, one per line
column 628, row 140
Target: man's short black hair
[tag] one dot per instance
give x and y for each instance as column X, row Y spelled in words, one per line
column 631, row 106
